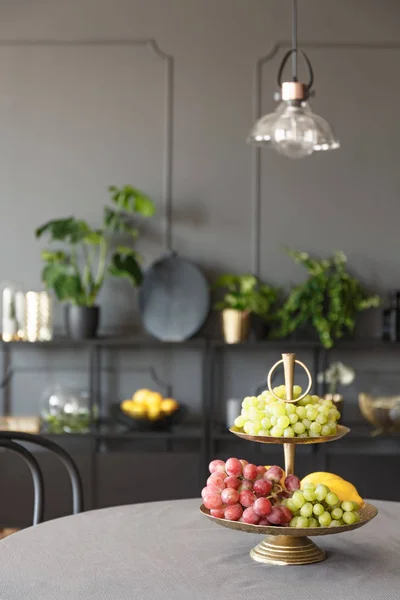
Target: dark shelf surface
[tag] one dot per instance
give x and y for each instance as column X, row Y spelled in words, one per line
column 181, row 432
column 189, row 431
column 364, row 430
column 281, row 345
column 147, row 342
column 143, row 342
column 62, row 342
column 370, row 344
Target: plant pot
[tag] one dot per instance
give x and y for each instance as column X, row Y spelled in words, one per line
column 235, row 325
column 81, row 322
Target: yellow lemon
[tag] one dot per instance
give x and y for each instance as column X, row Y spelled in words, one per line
column 169, row 405
column 154, row 400
column 342, row 488
column 136, row 410
column 141, row 395
column 153, row 413
column 126, row 404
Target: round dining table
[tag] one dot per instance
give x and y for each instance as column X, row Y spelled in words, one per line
column 170, row 551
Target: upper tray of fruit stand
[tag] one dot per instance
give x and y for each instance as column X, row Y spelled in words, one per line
column 288, row 361
column 340, row 432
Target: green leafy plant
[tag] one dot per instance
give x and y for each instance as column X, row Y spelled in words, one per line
column 329, row 299
column 77, row 274
column 246, row 293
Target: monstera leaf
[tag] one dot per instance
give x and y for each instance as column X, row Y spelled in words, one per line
column 69, row 230
column 124, row 264
column 118, row 222
column 65, row 282
column 132, row 200
column 53, row 257
column 76, row 274
column 94, row 237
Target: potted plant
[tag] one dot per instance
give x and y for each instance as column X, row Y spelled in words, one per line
column 337, row 374
column 329, row 299
column 76, row 272
column 244, row 296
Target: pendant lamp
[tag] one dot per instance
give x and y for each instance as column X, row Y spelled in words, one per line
column 293, row 130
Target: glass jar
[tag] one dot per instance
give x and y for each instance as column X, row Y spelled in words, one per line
column 12, row 311
column 46, row 316
column 38, row 317
column 65, row 411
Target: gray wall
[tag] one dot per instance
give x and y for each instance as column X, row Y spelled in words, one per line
column 75, row 119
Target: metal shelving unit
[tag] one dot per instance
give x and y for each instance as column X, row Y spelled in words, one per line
column 107, row 438
column 208, row 437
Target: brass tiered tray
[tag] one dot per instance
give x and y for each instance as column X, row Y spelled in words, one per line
column 291, row 545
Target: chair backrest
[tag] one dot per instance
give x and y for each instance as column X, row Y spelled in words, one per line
column 11, row 441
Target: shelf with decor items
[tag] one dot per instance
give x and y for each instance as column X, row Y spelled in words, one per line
column 232, row 365
column 110, row 450
column 211, row 352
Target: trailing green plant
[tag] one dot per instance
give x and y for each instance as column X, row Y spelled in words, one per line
column 246, row 293
column 329, row 299
column 77, row 273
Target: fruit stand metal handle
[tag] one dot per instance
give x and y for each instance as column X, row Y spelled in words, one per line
column 289, row 361
column 289, row 451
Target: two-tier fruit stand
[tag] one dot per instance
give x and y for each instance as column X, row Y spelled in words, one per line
column 291, row 545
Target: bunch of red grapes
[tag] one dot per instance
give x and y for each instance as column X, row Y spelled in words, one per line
column 239, row 491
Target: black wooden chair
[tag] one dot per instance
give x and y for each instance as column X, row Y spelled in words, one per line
column 11, row 440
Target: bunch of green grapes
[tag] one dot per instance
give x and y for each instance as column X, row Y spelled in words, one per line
column 264, row 415
column 317, row 506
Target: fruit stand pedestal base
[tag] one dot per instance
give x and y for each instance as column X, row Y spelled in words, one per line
column 287, row 550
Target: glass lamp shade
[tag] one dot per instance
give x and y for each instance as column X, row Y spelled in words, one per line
column 262, row 132
column 326, row 138
column 294, row 134
column 293, row 130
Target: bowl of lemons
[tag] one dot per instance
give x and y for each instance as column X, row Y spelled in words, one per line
column 148, row 410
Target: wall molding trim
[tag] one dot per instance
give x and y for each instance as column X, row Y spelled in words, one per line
column 257, row 113
column 152, row 45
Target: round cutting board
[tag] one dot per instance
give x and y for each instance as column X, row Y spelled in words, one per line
column 174, row 299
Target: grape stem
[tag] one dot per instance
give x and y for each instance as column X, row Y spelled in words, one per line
column 276, row 492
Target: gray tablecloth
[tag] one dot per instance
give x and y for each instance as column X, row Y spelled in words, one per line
column 169, row 551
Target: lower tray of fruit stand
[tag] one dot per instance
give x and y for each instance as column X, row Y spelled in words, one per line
column 290, row 545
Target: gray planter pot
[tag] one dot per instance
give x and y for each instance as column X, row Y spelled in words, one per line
column 81, row 322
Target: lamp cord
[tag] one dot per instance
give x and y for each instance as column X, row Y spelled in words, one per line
column 294, row 40
column 293, row 54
